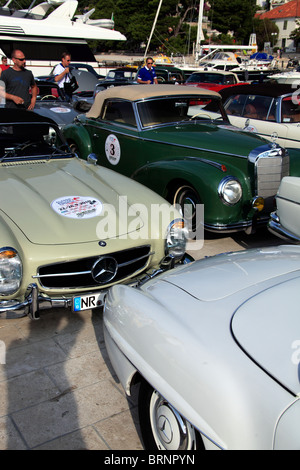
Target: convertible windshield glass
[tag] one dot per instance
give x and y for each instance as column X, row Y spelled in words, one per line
column 29, row 140
column 290, row 109
column 175, row 109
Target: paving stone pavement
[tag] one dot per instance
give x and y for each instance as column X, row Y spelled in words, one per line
column 57, row 388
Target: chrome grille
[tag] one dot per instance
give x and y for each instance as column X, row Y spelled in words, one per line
column 79, row 273
column 269, row 172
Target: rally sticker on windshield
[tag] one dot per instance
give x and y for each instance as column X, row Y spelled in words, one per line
column 77, row 207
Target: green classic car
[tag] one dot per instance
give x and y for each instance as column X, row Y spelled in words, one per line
column 70, row 229
column 178, row 141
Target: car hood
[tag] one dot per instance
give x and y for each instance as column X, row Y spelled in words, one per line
column 234, row 272
column 267, row 329
column 254, row 295
column 61, row 113
column 208, row 136
column 61, row 201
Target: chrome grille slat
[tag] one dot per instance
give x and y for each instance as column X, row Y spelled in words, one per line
column 269, row 172
column 78, row 273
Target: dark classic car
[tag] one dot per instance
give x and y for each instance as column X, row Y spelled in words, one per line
column 178, row 141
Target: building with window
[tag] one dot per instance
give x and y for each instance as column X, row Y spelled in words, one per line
column 285, row 16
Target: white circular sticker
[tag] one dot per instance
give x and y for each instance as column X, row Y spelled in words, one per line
column 112, row 149
column 60, row 109
column 77, row 207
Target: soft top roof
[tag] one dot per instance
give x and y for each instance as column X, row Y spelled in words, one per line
column 21, row 115
column 140, row 92
column 264, row 89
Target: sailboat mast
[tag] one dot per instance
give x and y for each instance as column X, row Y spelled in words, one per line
column 153, row 28
column 199, row 30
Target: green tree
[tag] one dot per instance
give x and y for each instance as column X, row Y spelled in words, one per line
column 295, row 34
column 234, row 15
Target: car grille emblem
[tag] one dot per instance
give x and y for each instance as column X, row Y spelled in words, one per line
column 104, row 270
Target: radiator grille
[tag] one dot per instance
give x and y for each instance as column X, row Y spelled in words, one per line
column 269, row 172
column 81, row 273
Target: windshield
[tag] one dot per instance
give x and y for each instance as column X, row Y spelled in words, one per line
column 180, row 108
column 19, row 141
column 290, row 110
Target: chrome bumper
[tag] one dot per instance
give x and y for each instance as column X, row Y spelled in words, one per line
column 276, row 228
column 34, row 302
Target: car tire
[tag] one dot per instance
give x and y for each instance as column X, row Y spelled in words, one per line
column 187, row 198
column 162, row 427
column 74, row 148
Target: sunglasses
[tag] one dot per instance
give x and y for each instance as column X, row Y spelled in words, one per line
column 22, row 59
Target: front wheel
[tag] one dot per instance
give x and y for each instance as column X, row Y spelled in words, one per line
column 162, row 427
column 187, row 199
column 74, row 149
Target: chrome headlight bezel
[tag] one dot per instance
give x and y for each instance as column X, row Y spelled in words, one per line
column 230, row 191
column 176, row 239
column 11, row 271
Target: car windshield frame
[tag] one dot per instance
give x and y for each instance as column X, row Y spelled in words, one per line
column 154, row 112
column 20, row 141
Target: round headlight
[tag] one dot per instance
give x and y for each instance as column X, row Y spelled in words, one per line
column 230, row 191
column 10, row 271
column 176, row 238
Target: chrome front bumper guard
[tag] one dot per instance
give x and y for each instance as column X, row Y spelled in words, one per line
column 34, row 302
column 276, row 228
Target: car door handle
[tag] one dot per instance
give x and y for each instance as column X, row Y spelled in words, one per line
column 96, row 136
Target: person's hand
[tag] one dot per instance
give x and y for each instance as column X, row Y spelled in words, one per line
column 18, row 100
column 31, row 106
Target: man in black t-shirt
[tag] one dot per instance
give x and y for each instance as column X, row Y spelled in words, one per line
column 18, row 81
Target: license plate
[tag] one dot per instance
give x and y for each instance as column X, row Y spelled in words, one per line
column 86, row 302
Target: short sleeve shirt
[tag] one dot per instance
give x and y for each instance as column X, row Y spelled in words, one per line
column 57, row 71
column 146, row 74
column 18, row 83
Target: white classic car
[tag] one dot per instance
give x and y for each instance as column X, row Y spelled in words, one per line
column 285, row 222
column 216, row 347
column 269, row 109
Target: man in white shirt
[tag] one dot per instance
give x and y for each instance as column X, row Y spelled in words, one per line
column 61, row 72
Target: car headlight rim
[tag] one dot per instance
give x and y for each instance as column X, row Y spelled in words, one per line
column 230, row 191
column 11, row 271
column 176, row 239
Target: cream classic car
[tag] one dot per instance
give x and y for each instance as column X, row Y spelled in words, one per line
column 270, row 110
column 70, row 229
column 285, row 222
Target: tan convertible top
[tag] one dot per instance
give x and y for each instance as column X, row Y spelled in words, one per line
column 139, row 92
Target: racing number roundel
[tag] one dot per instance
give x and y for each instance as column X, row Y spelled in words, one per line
column 112, row 149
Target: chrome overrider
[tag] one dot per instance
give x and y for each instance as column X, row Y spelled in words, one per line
column 34, row 301
column 277, row 229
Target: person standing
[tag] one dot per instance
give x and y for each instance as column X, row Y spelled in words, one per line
column 62, row 73
column 147, row 73
column 20, row 89
column 3, row 65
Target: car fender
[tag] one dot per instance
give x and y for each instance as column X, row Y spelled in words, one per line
column 203, row 175
column 7, row 233
column 79, row 136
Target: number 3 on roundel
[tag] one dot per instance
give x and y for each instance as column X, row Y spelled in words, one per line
column 112, row 149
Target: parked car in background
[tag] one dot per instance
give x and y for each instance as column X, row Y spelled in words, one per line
column 178, row 141
column 213, row 80
column 285, row 221
column 70, row 229
column 215, row 349
column 51, row 103
column 268, row 110
column 168, row 74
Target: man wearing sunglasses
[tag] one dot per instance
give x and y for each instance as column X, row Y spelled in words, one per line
column 147, row 74
column 20, row 89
